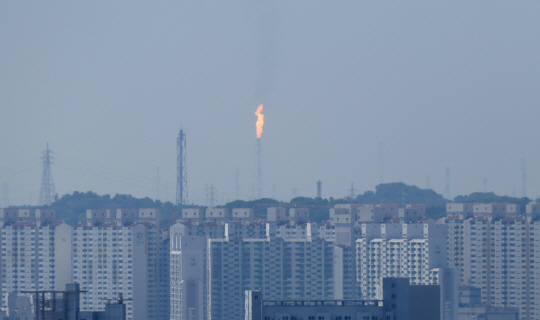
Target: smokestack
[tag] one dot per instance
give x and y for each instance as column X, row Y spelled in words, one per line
column 448, row 196
column 319, row 189
column 523, row 177
column 259, row 125
column 259, row 173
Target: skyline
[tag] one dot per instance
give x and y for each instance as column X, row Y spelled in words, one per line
column 420, row 86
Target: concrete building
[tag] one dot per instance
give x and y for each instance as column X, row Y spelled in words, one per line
column 398, row 250
column 63, row 305
column 36, row 251
column 471, row 307
column 288, row 257
column 284, row 255
column 493, row 247
column 400, row 301
column 119, row 253
column 284, row 269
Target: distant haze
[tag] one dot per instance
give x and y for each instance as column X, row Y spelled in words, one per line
column 108, row 84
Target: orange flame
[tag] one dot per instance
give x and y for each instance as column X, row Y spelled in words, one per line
column 260, row 120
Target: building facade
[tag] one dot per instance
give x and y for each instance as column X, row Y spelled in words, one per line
column 413, row 251
column 36, row 251
column 118, row 252
column 494, row 248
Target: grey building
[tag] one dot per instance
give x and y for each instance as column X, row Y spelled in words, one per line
column 401, row 301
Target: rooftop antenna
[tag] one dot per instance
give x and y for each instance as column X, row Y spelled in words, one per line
column 181, row 170
column 47, row 193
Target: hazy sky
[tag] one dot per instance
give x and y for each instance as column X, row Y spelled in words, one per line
column 108, row 84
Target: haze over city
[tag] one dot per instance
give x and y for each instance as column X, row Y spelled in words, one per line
column 109, row 84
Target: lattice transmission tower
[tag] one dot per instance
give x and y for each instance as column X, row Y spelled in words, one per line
column 181, row 170
column 47, row 193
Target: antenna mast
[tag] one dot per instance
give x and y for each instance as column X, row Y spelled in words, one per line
column 181, row 170
column 47, row 193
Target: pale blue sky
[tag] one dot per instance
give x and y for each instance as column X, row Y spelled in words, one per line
column 109, row 83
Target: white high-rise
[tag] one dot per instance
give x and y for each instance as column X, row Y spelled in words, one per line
column 398, row 250
column 495, row 249
column 119, row 252
column 291, row 258
column 36, row 251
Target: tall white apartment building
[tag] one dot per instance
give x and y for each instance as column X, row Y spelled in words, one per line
column 284, row 269
column 533, row 216
column 493, row 247
column 412, row 251
column 284, row 255
column 119, row 252
column 213, row 262
column 36, row 251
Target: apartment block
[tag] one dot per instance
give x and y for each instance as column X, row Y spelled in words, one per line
column 36, row 251
column 398, row 250
column 493, row 246
column 118, row 251
column 284, row 269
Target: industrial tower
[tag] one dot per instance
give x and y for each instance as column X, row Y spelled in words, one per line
column 523, row 177
column 447, row 191
column 47, row 193
column 259, row 171
column 181, row 170
column 211, row 193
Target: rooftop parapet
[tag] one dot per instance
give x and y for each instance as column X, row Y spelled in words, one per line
column 496, row 210
column 151, row 215
column 99, row 216
column 217, row 215
column 126, row 216
column 298, row 215
column 193, row 215
column 412, row 213
column 276, row 214
column 533, row 210
column 244, row 215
